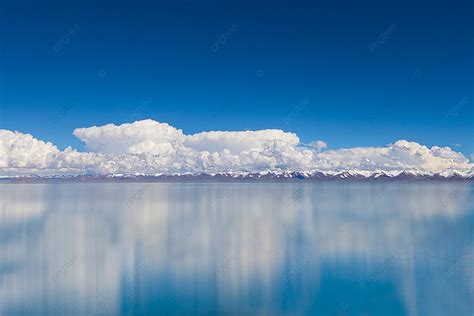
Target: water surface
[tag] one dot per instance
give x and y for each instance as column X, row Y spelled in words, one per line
column 233, row 248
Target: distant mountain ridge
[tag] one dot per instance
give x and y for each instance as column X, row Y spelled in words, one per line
column 261, row 175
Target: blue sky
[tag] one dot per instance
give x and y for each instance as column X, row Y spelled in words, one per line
column 352, row 74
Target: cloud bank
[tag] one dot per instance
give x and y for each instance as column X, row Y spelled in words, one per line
column 151, row 147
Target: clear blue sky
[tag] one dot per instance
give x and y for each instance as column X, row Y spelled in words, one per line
column 350, row 73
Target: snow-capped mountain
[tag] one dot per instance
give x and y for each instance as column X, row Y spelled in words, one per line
column 279, row 175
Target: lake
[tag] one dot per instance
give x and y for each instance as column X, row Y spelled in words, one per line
column 299, row 248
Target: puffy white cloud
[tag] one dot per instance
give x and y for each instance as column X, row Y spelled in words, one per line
column 152, row 147
column 23, row 151
column 153, row 137
column 237, row 142
column 145, row 136
column 319, row 145
column 402, row 155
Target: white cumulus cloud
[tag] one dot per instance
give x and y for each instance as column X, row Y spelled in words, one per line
column 141, row 136
column 23, row 151
column 319, row 145
column 152, row 147
column 237, row 142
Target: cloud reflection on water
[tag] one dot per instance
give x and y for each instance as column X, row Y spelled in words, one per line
column 260, row 248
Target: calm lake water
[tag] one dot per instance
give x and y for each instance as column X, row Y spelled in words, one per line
column 237, row 248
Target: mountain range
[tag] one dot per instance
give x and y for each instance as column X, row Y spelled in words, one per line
column 267, row 175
